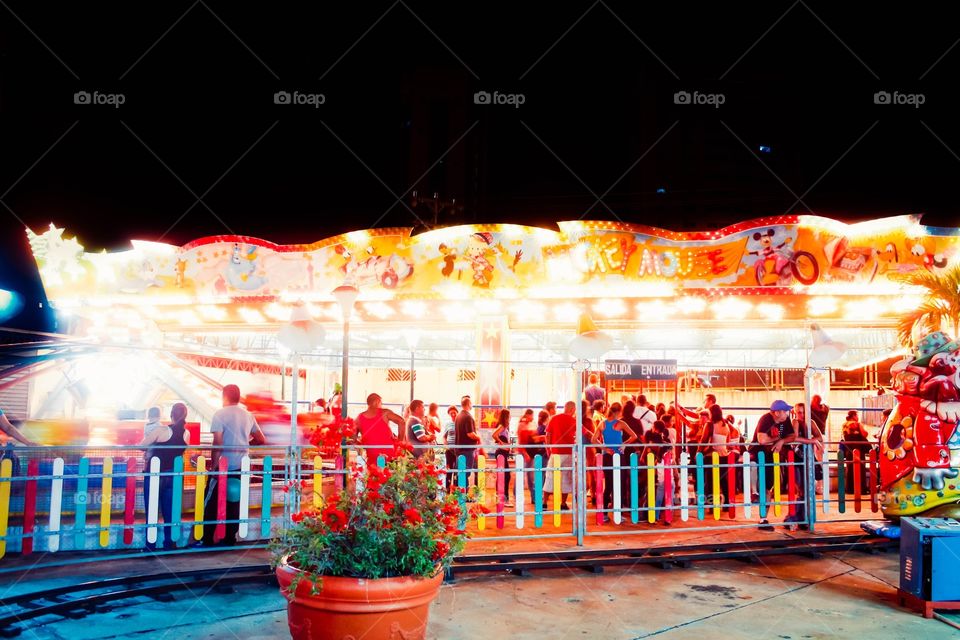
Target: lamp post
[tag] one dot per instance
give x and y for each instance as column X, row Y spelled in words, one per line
column 589, row 343
column 413, row 338
column 346, row 295
column 300, row 335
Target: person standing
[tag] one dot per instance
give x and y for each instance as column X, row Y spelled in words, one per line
column 614, row 435
column 501, row 436
column 234, row 429
column 466, row 436
column 550, row 408
column 450, row 439
column 774, row 429
column 593, row 392
column 416, row 430
column 645, row 414
column 153, row 421
column 432, row 423
column 716, row 438
column 530, row 434
column 166, row 443
column 855, row 438
column 373, row 432
column 560, row 436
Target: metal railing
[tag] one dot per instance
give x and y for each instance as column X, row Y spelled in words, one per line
column 110, row 499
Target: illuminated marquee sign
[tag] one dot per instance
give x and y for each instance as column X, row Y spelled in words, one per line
column 640, row 369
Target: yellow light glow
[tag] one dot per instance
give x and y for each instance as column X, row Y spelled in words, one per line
column 278, row 312
column 413, row 308
column 822, row 306
column 358, row 237
column 379, row 310
column 690, row 304
column 487, row 306
column 865, row 228
column 654, row 310
column 187, row 317
column 252, row 316
column 454, row 291
column 527, row 311
column 212, row 312
column 731, row 309
column 457, row 313
column 566, row 312
column 770, row 311
column 864, row 309
column 610, row 307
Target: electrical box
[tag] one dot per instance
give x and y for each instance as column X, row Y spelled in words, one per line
column 930, row 558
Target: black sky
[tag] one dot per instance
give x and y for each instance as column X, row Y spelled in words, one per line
column 598, row 78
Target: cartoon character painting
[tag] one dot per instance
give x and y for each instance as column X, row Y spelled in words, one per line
column 920, row 442
column 477, row 254
column 387, row 271
column 777, row 264
column 241, row 271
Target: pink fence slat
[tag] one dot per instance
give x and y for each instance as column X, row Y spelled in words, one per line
column 668, row 488
column 732, row 485
column 857, row 481
column 338, row 476
column 30, row 506
column 130, row 501
column 598, row 491
column 791, row 483
column 500, row 498
column 220, row 531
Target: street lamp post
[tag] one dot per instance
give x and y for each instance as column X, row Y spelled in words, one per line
column 589, row 343
column 300, row 335
column 346, row 295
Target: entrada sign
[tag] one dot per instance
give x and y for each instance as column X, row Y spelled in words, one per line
column 640, row 369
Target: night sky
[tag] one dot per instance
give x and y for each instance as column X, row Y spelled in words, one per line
column 199, row 147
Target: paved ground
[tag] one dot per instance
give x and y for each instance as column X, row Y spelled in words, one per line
column 837, row 596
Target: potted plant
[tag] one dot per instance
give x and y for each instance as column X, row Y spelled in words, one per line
column 372, row 558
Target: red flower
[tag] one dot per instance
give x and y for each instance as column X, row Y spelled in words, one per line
column 441, row 550
column 388, row 507
column 334, row 518
column 412, row 516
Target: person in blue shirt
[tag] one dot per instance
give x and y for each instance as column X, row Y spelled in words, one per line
column 614, row 434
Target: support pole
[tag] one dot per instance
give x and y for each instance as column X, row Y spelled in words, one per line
column 345, row 372
column 579, row 486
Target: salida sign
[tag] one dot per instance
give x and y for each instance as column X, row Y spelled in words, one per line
column 640, row 369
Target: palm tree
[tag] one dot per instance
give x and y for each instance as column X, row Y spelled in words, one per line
column 940, row 307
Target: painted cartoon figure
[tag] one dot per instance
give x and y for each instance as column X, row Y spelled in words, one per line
column 477, row 255
column 449, row 255
column 241, row 272
column 777, row 265
column 375, row 269
column 920, row 442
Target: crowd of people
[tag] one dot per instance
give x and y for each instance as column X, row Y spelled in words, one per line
column 631, row 426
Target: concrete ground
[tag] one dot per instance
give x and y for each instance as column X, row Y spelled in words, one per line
column 841, row 595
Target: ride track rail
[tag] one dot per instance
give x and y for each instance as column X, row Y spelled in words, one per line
column 80, row 600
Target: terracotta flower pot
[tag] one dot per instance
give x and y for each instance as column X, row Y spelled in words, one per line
column 353, row 608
